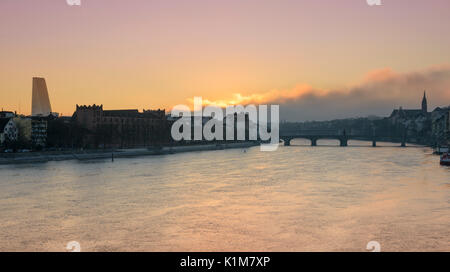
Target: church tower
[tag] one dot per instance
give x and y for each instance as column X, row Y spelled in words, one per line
column 424, row 103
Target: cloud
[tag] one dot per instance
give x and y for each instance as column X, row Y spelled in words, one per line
column 262, row 98
column 378, row 93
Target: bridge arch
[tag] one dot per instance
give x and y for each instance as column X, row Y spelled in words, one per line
column 330, row 141
column 343, row 139
column 306, row 141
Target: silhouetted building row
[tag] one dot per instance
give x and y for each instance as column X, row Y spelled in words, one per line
column 121, row 128
column 421, row 125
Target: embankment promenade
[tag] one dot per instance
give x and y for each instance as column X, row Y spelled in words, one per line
column 36, row 157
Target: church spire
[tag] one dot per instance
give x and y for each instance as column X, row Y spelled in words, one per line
column 424, row 103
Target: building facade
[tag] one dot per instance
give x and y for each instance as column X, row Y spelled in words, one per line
column 415, row 124
column 8, row 131
column 38, row 132
column 121, row 128
column 402, row 114
column 24, row 126
column 441, row 126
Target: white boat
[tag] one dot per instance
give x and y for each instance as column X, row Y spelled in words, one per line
column 445, row 159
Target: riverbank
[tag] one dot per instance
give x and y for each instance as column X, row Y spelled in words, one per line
column 35, row 157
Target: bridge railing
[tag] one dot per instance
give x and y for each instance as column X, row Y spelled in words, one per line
column 310, row 132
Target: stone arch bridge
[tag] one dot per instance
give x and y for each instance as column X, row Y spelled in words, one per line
column 341, row 136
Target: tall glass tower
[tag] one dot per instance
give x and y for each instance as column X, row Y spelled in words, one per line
column 40, row 105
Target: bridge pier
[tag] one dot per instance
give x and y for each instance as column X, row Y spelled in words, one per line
column 343, row 142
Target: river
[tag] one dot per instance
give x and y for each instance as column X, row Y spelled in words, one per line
column 298, row 198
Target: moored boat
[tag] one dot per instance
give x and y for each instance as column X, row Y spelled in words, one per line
column 440, row 150
column 445, row 159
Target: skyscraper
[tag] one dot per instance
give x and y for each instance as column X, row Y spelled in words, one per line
column 41, row 102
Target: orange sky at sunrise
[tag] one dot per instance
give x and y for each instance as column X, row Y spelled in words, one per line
column 156, row 54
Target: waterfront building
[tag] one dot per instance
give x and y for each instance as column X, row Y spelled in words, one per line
column 122, row 128
column 413, row 123
column 8, row 130
column 441, row 126
column 24, row 126
column 39, row 132
column 398, row 114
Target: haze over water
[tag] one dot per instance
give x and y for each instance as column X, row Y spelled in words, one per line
column 299, row 198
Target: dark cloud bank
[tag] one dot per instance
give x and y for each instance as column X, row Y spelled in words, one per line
column 379, row 93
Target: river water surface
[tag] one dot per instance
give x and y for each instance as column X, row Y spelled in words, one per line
column 299, row 198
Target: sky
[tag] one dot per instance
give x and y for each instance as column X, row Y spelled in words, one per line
column 319, row 59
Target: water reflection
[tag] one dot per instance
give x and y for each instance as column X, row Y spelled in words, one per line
column 324, row 198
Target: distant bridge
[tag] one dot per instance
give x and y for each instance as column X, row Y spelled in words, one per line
column 314, row 135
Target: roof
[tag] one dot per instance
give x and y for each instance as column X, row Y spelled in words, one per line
column 134, row 113
column 439, row 109
column 3, row 122
column 439, row 113
column 6, row 114
column 407, row 113
column 121, row 113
